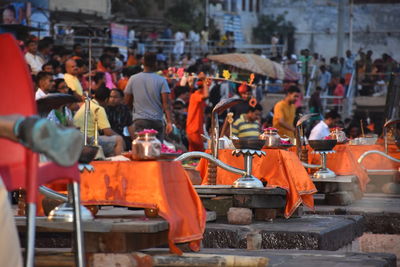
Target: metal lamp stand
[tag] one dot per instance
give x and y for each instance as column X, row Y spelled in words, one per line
column 248, row 180
column 324, row 172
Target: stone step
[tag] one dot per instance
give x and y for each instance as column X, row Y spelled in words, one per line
column 311, row 232
column 380, row 211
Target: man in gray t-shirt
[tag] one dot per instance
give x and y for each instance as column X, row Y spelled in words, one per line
column 147, row 94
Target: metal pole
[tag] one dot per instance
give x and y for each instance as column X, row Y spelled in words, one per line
column 340, row 29
column 30, row 239
column 248, row 164
column 351, row 26
column 80, row 245
column 206, row 13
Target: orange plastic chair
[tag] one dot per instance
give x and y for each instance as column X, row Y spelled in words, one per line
column 19, row 166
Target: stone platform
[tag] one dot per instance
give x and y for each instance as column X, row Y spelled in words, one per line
column 113, row 230
column 311, row 232
column 341, row 190
column 220, row 198
column 380, row 211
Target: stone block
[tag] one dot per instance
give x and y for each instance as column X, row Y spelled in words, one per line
column 194, row 176
column 242, row 216
column 254, row 240
column 259, row 201
column 343, row 198
column 265, row 214
column 220, row 204
column 299, row 212
column 391, row 188
column 326, row 187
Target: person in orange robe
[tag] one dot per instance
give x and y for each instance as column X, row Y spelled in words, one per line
column 195, row 116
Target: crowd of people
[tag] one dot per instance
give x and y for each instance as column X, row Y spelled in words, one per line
column 142, row 92
column 370, row 75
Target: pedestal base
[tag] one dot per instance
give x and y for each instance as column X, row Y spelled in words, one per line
column 324, row 174
column 65, row 212
column 248, row 182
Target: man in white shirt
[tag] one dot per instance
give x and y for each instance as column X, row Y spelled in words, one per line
column 321, row 130
column 45, row 84
column 32, row 57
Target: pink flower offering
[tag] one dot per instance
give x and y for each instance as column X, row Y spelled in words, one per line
column 328, row 137
column 148, row 131
column 283, row 142
column 165, row 149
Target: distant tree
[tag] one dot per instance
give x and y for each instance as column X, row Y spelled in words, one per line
column 186, row 15
column 269, row 25
column 137, row 8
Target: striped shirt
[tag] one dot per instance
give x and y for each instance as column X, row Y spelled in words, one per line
column 243, row 128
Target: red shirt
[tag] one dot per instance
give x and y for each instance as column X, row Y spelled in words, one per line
column 195, row 116
column 339, row 91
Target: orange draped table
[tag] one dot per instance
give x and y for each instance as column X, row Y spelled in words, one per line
column 279, row 168
column 149, row 184
column 344, row 161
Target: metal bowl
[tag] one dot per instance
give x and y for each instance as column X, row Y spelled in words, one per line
column 88, row 154
column 253, row 143
column 322, row 145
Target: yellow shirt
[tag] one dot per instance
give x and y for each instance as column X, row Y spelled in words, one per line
column 286, row 112
column 73, row 83
column 79, row 118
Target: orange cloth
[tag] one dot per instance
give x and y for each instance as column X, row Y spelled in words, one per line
column 343, row 162
column 132, row 61
column 195, row 119
column 279, row 168
column 149, row 184
column 195, row 116
column 100, row 67
column 195, row 142
column 122, row 83
column 286, row 112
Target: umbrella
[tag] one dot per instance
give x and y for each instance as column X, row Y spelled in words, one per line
column 54, row 101
column 252, row 63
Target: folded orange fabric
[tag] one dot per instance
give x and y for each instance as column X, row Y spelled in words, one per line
column 149, row 184
column 279, row 168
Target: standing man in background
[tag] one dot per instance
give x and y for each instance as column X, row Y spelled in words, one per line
column 195, row 117
column 285, row 111
column 147, row 94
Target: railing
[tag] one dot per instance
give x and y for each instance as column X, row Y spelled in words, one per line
column 311, row 80
column 328, row 102
column 167, row 45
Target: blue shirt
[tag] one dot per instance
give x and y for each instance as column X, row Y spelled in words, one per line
column 146, row 89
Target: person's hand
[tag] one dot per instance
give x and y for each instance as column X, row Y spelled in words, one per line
column 168, row 128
